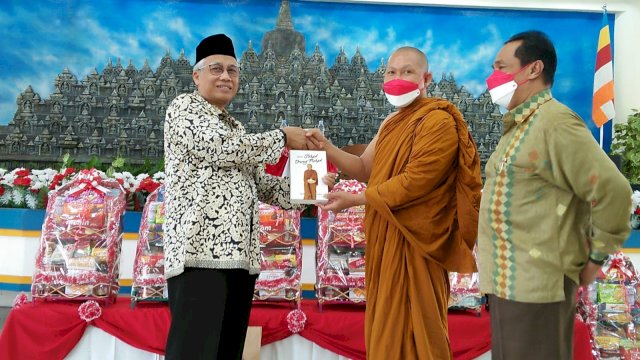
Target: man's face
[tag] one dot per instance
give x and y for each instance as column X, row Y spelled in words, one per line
column 407, row 65
column 218, row 89
column 506, row 61
column 309, row 166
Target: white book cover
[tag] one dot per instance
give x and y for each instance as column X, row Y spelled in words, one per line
column 307, row 169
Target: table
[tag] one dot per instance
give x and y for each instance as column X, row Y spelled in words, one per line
column 51, row 330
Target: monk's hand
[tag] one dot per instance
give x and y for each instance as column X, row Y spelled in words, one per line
column 315, row 140
column 296, row 137
column 330, row 180
column 589, row 273
column 338, row 201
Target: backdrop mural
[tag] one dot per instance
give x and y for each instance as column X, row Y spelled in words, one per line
column 94, row 78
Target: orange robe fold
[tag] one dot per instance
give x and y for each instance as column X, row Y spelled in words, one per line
column 421, row 222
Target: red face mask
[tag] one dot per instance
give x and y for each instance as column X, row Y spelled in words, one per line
column 401, row 92
column 502, row 86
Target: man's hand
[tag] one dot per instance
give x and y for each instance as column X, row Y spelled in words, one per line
column 296, row 138
column 330, row 180
column 315, row 140
column 341, row 200
column 338, row 201
column 589, row 273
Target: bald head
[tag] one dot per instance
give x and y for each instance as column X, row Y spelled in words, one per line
column 415, row 55
column 411, row 64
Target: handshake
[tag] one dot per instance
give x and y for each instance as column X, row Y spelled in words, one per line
column 305, row 139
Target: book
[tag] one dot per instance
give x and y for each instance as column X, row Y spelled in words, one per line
column 307, row 170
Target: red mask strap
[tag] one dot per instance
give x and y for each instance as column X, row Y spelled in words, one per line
column 519, row 71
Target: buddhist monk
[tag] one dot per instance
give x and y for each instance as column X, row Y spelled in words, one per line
column 310, row 183
column 422, row 201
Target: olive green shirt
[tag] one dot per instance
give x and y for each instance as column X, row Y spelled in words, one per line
column 551, row 199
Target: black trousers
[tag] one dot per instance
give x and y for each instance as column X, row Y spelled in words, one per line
column 209, row 313
column 531, row 331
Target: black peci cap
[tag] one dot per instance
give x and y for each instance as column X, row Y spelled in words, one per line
column 218, row 44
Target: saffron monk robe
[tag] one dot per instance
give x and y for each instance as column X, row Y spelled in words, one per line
column 422, row 201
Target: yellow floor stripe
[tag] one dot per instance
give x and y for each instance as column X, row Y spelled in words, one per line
column 36, row 234
column 126, row 236
column 630, row 250
column 308, row 287
column 19, row 233
column 12, row 279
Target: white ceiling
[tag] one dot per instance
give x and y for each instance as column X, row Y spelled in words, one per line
column 566, row 5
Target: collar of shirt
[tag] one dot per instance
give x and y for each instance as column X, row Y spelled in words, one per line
column 222, row 114
column 214, row 109
column 523, row 111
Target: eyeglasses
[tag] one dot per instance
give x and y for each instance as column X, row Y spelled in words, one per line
column 217, row 69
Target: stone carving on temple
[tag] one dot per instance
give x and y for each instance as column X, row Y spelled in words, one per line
column 120, row 110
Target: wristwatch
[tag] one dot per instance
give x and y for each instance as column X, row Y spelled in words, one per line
column 598, row 262
column 285, row 136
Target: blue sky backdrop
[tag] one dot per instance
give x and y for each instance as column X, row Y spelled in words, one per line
column 42, row 37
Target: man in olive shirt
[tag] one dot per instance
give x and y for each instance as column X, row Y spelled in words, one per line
column 554, row 206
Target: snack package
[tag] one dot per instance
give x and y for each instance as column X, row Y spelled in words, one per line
column 280, row 255
column 79, row 252
column 340, row 252
column 465, row 291
column 610, row 307
column 149, row 283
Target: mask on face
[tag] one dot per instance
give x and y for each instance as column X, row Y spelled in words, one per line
column 502, row 86
column 401, row 93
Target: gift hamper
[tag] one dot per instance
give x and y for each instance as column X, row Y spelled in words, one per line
column 464, row 291
column 149, row 283
column 340, row 252
column 79, row 252
column 610, row 306
column 280, row 255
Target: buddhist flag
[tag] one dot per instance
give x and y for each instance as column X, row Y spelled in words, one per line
column 603, row 109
